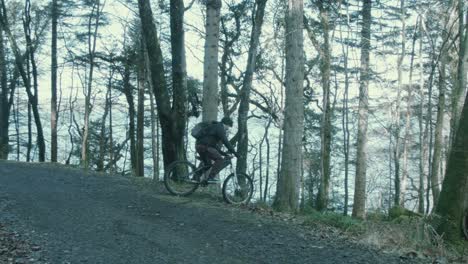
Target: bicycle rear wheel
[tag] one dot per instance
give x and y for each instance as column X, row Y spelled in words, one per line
column 237, row 190
column 179, row 178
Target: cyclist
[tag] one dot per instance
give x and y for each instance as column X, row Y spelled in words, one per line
column 209, row 146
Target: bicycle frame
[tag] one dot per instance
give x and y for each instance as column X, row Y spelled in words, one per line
column 206, row 169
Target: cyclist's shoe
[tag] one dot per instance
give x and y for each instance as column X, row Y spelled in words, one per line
column 196, row 178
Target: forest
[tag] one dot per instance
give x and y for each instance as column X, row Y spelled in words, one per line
column 349, row 106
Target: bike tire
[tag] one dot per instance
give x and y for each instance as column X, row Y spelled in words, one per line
column 235, row 192
column 180, row 183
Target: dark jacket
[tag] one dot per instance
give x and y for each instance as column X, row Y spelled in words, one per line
column 213, row 136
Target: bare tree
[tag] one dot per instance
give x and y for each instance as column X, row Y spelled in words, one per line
column 19, row 61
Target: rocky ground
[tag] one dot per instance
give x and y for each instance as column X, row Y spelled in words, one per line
column 52, row 214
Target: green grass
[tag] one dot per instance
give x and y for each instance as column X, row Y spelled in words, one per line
column 344, row 223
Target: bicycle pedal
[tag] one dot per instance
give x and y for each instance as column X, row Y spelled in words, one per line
column 204, row 183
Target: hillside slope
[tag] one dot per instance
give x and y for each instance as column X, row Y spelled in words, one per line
column 67, row 216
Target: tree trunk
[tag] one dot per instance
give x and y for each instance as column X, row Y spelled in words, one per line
column 18, row 145
column 287, row 187
column 408, row 124
column 325, row 132
column 71, row 105
column 428, row 130
column 171, row 119
column 453, row 195
column 345, row 120
column 128, row 92
column 29, row 145
column 53, row 102
column 438, row 137
column 179, row 78
column 267, row 176
column 92, row 38
column 140, row 151
column 460, row 84
column 33, row 96
column 210, row 63
column 111, row 165
column 422, row 137
column 102, row 138
column 154, row 138
column 243, row 139
column 4, row 102
column 359, row 208
column 396, row 128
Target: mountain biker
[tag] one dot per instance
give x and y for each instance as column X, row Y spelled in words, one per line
column 209, row 146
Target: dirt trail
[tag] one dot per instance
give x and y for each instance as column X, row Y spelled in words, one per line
column 67, row 216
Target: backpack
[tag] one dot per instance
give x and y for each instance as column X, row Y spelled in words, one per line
column 200, row 129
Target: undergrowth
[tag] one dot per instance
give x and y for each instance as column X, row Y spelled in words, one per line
column 406, row 235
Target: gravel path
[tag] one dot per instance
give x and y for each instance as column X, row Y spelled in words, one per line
column 66, row 216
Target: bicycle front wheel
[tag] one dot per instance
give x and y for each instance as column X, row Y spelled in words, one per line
column 237, row 189
column 179, row 178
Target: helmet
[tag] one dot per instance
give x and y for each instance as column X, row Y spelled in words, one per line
column 227, row 121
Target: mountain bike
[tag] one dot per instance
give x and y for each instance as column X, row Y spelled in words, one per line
column 182, row 178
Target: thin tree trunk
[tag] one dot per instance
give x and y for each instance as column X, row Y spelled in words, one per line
column 154, row 138
column 33, row 96
column 29, row 146
column 325, row 132
column 359, row 208
column 71, row 103
column 438, row 137
column 111, row 164
column 287, row 187
column 92, row 39
column 53, row 102
column 428, row 132
column 396, row 128
column 17, row 130
column 267, row 176
column 422, row 137
column 4, row 104
column 102, row 137
column 345, row 119
column 406, row 140
column 140, row 116
column 243, row 139
column 345, row 125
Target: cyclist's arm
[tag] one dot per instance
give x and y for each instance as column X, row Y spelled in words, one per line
column 226, row 141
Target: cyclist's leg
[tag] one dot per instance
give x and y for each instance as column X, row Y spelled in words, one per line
column 202, row 151
column 218, row 159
